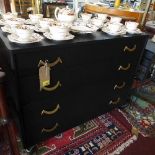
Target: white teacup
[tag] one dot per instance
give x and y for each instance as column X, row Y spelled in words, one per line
column 115, row 27
column 97, row 22
column 35, row 18
column 45, row 22
column 131, row 26
column 9, row 15
column 86, row 16
column 114, row 19
column 24, row 32
column 101, row 16
column 59, row 31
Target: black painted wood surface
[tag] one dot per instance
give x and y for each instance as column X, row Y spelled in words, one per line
column 88, row 74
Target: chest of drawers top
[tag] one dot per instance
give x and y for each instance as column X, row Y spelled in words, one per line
column 79, row 39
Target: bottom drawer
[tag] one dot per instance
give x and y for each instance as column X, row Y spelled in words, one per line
column 40, row 120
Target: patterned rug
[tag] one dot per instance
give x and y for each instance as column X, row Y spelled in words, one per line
column 103, row 134
column 141, row 114
column 146, row 91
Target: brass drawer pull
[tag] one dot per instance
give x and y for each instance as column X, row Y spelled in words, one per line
column 115, row 102
column 124, row 68
column 50, row 112
column 52, row 88
column 51, row 129
column 58, row 60
column 126, row 48
column 119, row 86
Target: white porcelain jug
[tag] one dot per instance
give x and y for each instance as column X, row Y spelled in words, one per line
column 66, row 15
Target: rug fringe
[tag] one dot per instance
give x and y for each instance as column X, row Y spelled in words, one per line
column 123, row 113
column 124, row 145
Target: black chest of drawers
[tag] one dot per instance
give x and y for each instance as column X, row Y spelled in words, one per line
column 90, row 75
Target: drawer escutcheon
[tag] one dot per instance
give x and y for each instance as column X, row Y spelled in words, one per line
column 124, row 68
column 119, row 86
column 116, row 101
column 51, row 129
column 126, row 48
column 50, row 112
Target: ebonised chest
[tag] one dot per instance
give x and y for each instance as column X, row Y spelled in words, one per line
column 90, row 75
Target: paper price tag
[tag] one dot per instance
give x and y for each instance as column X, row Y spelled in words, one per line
column 44, row 76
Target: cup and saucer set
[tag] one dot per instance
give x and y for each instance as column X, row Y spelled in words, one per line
column 23, row 34
column 58, row 32
column 114, row 27
column 86, row 24
column 43, row 25
column 132, row 27
column 9, row 23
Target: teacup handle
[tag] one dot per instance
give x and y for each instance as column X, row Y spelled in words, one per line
column 56, row 12
column 126, row 23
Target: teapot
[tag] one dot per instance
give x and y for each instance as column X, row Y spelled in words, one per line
column 65, row 15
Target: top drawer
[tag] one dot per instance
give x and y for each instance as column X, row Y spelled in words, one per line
column 75, row 54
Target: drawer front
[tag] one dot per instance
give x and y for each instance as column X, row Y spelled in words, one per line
column 71, row 56
column 40, row 120
column 69, row 80
column 75, row 55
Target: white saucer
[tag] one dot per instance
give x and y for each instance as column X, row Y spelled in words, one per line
column 121, row 32
column 7, row 29
column 2, row 22
column 84, row 29
column 29, row 22
column 137, row 31
column 37, row 28
column 48, row 35
column 35, row 38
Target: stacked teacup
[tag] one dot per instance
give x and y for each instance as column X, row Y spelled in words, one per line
column 34, row 18
column 59, row 31
column 45, row 23
column 86, row 17
column 9, row 15
column 131, row 26
column 24, row 32
column 115, row 25
column 99, row 20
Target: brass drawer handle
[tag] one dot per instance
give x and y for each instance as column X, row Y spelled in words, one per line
column 50, row 112
column 119, row 86
column 51, row 129
column 126, row 48
column 52, row 88
column 115, row 102
column 58, row 60
column 124, row 68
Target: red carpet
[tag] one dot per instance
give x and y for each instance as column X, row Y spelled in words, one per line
column 103, row 135
column 108, row 134
column 143, row 145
